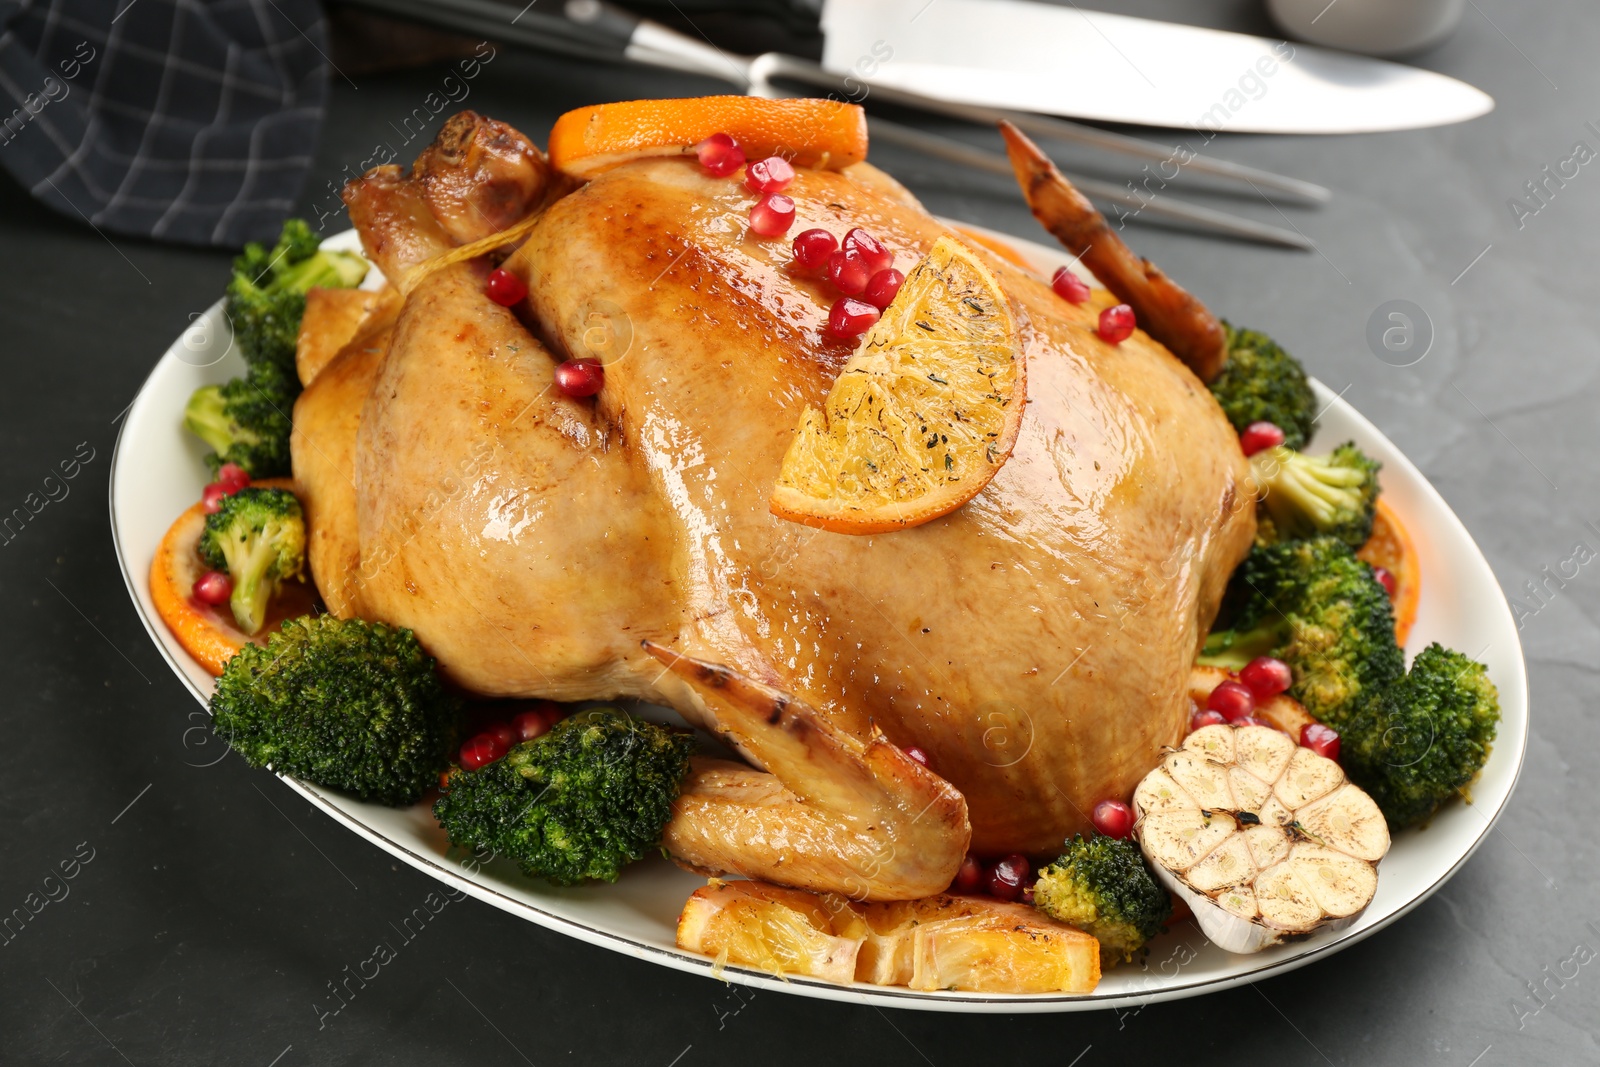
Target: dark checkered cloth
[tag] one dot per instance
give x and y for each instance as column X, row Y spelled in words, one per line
column 191, row 121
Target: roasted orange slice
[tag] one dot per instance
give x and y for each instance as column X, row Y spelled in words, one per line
column 1391, row 548
column 922, row 415
column 940, row 942
column 809, row 132
column 205, row 632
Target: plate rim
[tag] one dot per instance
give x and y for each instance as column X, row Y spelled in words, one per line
column 1041, row 257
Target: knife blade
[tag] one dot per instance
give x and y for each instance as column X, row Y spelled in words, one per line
column 1065, row 60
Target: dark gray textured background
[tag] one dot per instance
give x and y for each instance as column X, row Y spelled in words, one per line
column 215, row 909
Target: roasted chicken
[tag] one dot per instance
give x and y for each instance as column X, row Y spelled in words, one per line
column 1036, row 643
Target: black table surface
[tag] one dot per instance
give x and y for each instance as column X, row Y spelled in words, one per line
column 211, row 906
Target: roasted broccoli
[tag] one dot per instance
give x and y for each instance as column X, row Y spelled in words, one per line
column 343, row 703
column 1317, row 607
column 1304, row 496
column 1102, row 886
column 259, row 537
column 1424, row 738
column 246, row 421
column 1261, row 382
column 267, row 294
column 578, row 803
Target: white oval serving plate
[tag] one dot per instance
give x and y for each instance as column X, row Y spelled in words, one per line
column 157, row 472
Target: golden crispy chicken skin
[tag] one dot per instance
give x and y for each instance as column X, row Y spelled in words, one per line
column 1036, row 643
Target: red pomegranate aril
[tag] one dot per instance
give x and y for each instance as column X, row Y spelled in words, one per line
column 580, row 377
column 211, row 497
column 1116, row 324
column 505, row 288
column 872, row 250
column 769, row 175
column 1386, row 579
column 1258, row 436
column 813, row 247
column 719, row 154
column 883, row 287
column 1206, row 718
column 851, row 317
column 479, row 751
column 917, row 754
column 504, row 734
column 232, row 478
column 213, row 587
column 1323, row 740
column 970, row 877
column 849, row 271
column 1232, row 700
column 1007, row 875
column 772, row 215
column 531, row 724
column 1068, row 286
column 1028, row 883
column 1266, row 677
column 1113, row 818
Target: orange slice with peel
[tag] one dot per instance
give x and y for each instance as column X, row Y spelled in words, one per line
column 808, row 131
column 977, row 944
column 924, row 413
column 1391, row 548
column 208, row 633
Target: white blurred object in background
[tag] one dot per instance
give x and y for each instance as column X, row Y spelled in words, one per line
column 1376, row 27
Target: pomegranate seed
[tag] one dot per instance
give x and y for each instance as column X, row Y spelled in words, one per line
column 877, row 257
column 813, row 247
column 530, row 724
column 1258, row 436
column 580, row 377
column 772, row 215
column 719, row 154
column 1069, row 287
column 1205, row 718
column 851, row 317
column 480, row 751
column 1266, row 677
column 883, row 288
column 1028, row 884
column 1113, row 818
column 213, row 587
column 969, row 877
column 769, row 175
column 917, row 754
column 505, row 288
column 1232, row 700
column 232, row 478
column 504, row 735
column 211, row 496
column 1323, row 740
column 1386, row 579
column 849, row 271
column 1116, row 324
column 1006, row 876
column 536, row 723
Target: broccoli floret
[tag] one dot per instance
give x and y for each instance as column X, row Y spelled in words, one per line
column 1424, row 738
column 1304, row 496
column 246, row 421
column 267, row 293
column 1102, row 886
column 259, row 537
column 578, row 803
column 344, row 703
column 1317, row 607
column 1261, row 382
